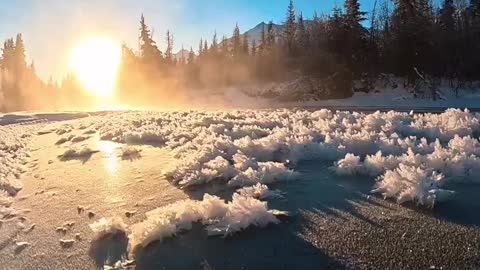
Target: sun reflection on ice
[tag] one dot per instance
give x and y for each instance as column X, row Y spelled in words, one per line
column 109, row 150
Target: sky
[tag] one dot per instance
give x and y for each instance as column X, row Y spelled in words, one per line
column 52, row 28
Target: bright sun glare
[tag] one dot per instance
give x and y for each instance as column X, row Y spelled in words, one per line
column 95, row 62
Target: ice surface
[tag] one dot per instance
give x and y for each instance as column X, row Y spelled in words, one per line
column 244, row 148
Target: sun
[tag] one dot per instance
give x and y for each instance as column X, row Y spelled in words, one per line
column 95, row 62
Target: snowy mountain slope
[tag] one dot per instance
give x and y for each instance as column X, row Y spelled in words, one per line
column 256, row 32
column 181, row 54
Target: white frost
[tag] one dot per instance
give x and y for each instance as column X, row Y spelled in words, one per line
column 219, row 216
column 244, row 148
column 108, row 226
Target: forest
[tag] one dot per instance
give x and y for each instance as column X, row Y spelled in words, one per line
column 418, row 40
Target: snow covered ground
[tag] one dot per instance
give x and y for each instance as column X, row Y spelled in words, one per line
column 14, row 155
column 387, row 93
column 225, row 172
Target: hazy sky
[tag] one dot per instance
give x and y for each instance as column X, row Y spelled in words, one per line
column 52, row 27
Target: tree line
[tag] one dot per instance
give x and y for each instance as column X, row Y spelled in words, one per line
column 413, row 39
column 20, row 87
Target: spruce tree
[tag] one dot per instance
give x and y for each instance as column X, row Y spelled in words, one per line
column 224, row 46
column 191, row 56
column 19, row 53
column 8, row 54
column 148, row 49
column 214, row 46
column 200, row 47
column 290, row 29
column 237, row 43
column 270, row 36
column 263, row 39
column 205, row 46
column 353, row 15
column 169, row 50
column 302, row 37
column 354, row 46
column 245, row 45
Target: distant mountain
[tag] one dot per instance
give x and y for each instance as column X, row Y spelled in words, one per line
column 253, row 34
column 256, row 32
column 182, row 53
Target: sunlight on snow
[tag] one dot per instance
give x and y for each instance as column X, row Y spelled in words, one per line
column 108, row 149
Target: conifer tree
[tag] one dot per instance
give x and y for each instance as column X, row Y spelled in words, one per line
column 254, row 47
column 19, row 54
column 200, row 47
column 214, row 46
column 270, row 36
column 224, row 46
column 245, row 45
column 302, row 37
column 148, row 49
column 237, row 43
column 290, row 29
column 353, row 18
column 205, row 46
column 191, row 56
column 263, row 39
column 169, row 50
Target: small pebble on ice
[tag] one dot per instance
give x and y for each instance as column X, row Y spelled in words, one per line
column 19, row 246
column 129, row 214
column 69, row 224
column 61, row 229
column 66, row 243
column 29, row 229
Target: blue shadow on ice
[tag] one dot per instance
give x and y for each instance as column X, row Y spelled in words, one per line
column 274, row 247
column 282, row 246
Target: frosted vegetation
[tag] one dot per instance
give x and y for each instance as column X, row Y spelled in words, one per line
column 413, row 157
